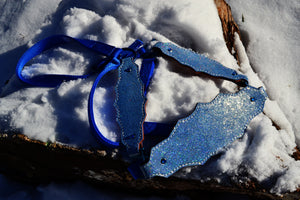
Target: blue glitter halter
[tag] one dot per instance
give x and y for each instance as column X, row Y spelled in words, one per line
column 192, row 140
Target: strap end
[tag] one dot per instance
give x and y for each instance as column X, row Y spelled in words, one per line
column 137, row 171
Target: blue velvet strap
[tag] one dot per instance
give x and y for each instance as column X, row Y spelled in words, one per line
column 208, row 129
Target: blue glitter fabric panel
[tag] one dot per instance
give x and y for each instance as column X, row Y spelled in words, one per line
column 130, row 106
column 208, row 129
column 201, row 63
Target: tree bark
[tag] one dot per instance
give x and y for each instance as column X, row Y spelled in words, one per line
column 34, row 161
column 229, row 26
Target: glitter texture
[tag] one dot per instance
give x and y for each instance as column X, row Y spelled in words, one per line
column 208, row 129
column 201, row 63
column 130, row 105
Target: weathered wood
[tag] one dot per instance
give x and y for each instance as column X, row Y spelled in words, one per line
column 229, row 26
column 35, row 161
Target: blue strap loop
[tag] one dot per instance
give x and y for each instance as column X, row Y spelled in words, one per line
column 109, row 67
column 111, row 62
column 52, row 80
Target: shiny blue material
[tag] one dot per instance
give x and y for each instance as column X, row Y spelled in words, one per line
column 122, row 58
column 52, row 80
column 147, row 71
column 208, row 129
column 130, row 106
column 200, row 63
column 111, row 62
column 109, row 67
column 194, row 139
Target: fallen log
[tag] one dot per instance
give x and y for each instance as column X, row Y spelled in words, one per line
column 34, row 161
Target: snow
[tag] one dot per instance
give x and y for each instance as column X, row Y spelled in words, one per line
column 268, row 57
column 271, row 34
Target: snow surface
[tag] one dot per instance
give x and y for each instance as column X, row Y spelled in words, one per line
column 270, row 32
column 60, row 114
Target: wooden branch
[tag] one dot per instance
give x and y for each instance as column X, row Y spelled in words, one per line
column 229, row 26
column 37, row 162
